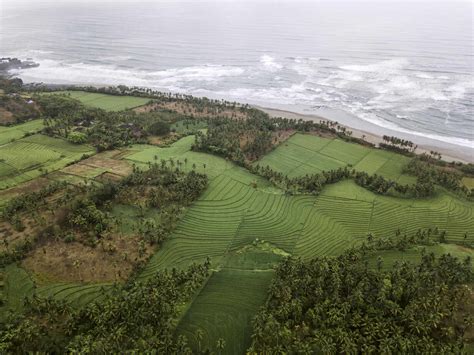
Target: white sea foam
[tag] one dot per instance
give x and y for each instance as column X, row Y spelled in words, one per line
column 364, row 90
column 171, row 79
column 269, row 63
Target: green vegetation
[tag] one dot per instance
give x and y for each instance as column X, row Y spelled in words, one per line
column 224, row 309
column 136, row 317
column 339, row 305
column 306, row 154
column 105, row 102
column 9, row 134
column 292, row 215
column 30, row 157
column 17, row 285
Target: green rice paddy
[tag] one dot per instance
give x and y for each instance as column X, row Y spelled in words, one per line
column 246, row 225
column 306, row 154
column 29, row 157
column 11, row 133
column 104, row 101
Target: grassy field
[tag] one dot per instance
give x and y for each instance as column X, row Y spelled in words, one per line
column 305, row 154
column 29, row 157
column 106, row 102
column 246, row 225
column 224, row 309
column 233, row 214
column 74, row 294
column 468, row 182
column 17, row 285
column 9, row 134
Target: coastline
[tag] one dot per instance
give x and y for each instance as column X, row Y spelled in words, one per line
column 371, row 132
column 449, row 152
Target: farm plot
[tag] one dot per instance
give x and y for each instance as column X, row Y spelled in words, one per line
column 305, row 154
column 76, row 294
column 180, row 154
column 17, row 285
column 104, row 101
column 224, row 309
column 345, row 213
column 27, row 158
column 8, row 134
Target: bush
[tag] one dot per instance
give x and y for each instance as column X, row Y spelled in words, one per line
column 77, row 138
column 159, row 128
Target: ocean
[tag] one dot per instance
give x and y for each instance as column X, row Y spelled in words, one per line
column 404, row 66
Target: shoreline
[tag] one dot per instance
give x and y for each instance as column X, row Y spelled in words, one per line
column 372, row 133
column 449, row 152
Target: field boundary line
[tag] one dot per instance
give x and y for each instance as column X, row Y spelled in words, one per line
column 300, row 234
column 371, row 215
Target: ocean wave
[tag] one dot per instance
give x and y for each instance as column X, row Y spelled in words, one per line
column 171, row 79
column 374, row 119
column 364, row 90
column 269, row 63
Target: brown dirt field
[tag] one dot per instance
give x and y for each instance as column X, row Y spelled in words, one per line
column 155, row 140
column 6, row 116
column 108, row 177
column 29, row 186
column 57, row 261
column 105, row 161
column 32, row 226
column 282, row 136
column 322, row 134
column 187, row 109
column 82, row 170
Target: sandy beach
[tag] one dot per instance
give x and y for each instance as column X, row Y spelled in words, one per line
column 373, row 133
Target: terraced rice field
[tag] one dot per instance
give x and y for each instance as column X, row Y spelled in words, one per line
column 27, row 158
column 233, row 213
column 75, row 294
column 11, row 133
column 106, row 102
column 224, row 309
column 305, row 154
column 245, row 225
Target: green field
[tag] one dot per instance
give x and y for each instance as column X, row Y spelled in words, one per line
column 305, row 154
column 17, row 285
column 27, row 158
column 246, row 225
column 233, row 214
column 75, row 294
column 11, row 133
column 224, row 309
column 468, row 182
column 106, row 102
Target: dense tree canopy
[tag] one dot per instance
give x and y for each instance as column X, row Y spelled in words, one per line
column 340, row 305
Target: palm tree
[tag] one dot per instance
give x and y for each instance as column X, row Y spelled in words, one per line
column 220, row 345
column 199, row 337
